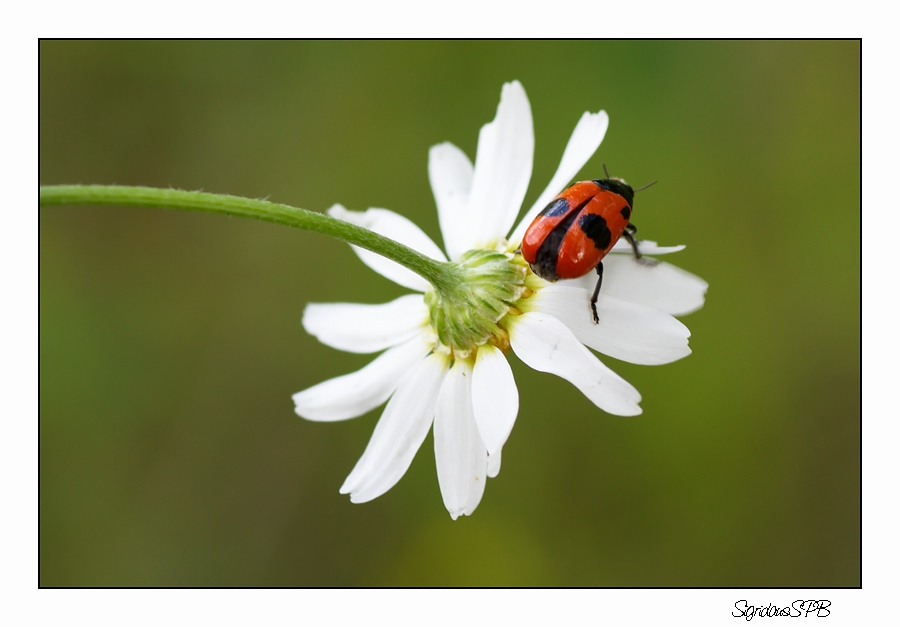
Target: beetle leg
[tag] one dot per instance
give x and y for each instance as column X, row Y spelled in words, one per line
column 597, row 293
column 630, row 230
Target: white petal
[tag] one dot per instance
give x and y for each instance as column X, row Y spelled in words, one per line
column 356, row 393
column 398, row 228
column 502, row 167
column 450, row 173
column 399, row 432
column 546, row 344
column 646, row 247
column 459, row 453
column 583, row 143
column 493, row 468
column 656, row 284
column 626, row 331
column 495, row 397
column 358, row 328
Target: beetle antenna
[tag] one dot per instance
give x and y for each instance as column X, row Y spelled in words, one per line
column 645, row 186
column 605, row 171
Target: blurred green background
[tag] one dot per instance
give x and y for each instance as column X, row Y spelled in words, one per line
column 170, row 343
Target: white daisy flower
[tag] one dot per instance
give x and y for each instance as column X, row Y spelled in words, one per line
column 444, row 359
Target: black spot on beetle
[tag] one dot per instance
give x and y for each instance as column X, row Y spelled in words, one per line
column 626, row 212
column 556, row 208
column 595, row 227
column 545, row 260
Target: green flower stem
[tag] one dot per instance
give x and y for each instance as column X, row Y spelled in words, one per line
column 443, row 276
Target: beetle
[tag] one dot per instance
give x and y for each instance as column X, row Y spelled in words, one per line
column 573, row 233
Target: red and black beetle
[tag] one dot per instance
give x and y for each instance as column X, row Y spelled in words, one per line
column 573, row 234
